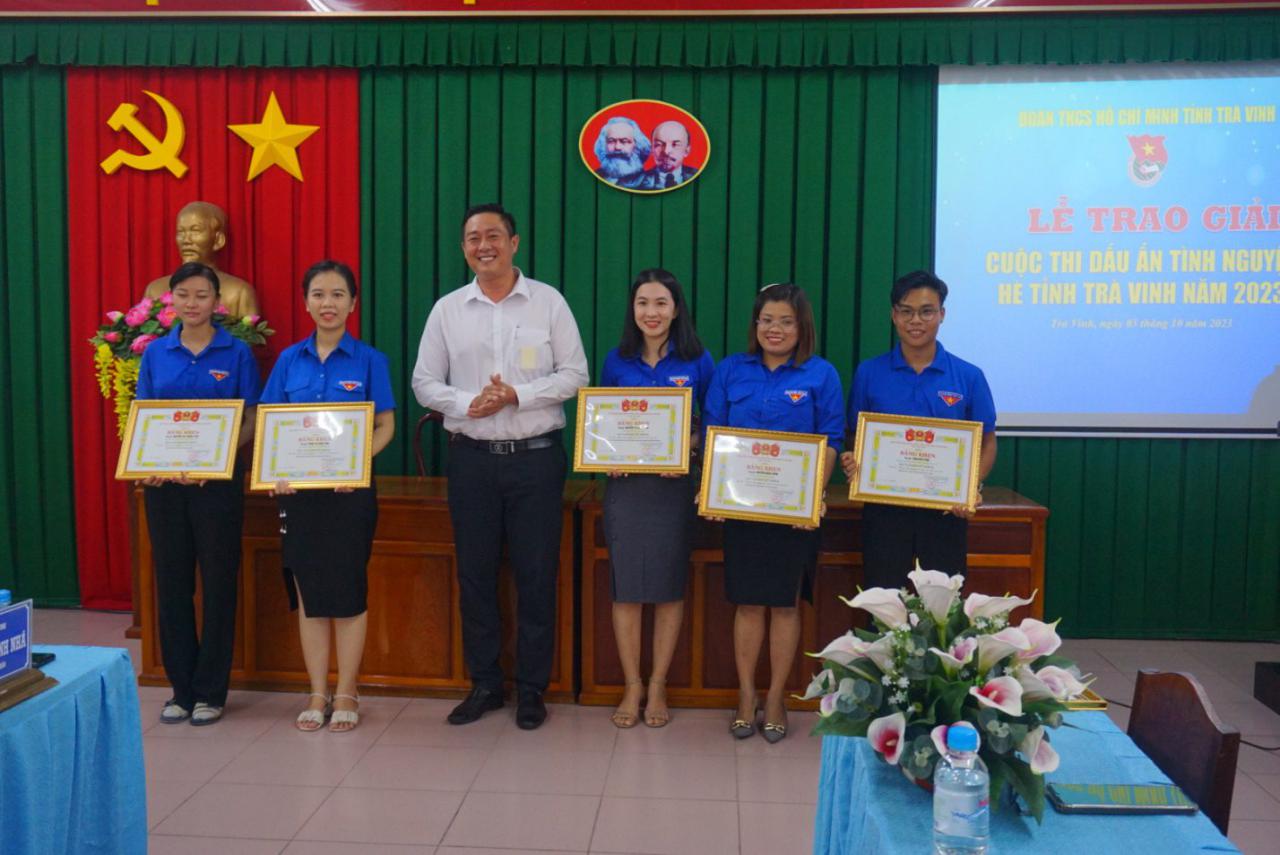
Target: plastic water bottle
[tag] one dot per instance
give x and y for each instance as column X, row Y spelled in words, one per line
column 961, row 803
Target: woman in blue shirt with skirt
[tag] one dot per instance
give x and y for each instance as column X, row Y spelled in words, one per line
column 778, row 384
column 327, row 535
column 648, row 519
column 197, row 523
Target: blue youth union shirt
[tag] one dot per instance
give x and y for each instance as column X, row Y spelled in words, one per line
column 353, row 372
column 671, row 370
column 949, row 388
column 794, row 398
column 224, row 369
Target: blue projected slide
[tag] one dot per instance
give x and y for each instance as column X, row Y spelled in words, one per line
column 1111, row 237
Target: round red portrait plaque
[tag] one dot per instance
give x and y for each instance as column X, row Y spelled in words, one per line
column 644, row 146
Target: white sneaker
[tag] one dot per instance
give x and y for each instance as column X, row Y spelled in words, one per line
column 205, row 714
column 174, row 713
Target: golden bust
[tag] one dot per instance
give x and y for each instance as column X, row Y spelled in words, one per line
column 202, row 231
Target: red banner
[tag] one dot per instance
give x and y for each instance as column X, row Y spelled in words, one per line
column 588, row 8
column 168, row 148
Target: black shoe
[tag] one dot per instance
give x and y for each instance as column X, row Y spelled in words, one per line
column 479, row 702
column 531, row 712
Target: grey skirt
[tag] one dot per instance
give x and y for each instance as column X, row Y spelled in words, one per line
column 648, row 525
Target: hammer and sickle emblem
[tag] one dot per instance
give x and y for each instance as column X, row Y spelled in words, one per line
column 161, row 154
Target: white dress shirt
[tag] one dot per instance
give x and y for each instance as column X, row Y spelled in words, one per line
column 529, row 337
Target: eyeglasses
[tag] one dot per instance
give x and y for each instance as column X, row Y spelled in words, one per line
column 906, row 313
column 784, row 324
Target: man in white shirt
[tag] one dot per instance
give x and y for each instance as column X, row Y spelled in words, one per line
column 498, row 359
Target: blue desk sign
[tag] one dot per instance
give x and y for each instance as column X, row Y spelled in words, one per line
column 15, row 639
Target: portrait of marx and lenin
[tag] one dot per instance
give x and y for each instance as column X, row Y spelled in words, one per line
column 644, row 146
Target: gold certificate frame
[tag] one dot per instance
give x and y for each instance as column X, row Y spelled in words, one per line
column 188, row 438
column 916, row 462
column 763, row 475
column 633, row 429
column 313, row 446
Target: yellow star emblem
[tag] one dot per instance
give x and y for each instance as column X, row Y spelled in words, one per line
column 275, row 142
column 1148, row 149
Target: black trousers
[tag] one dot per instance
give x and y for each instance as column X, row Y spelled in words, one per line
column 893, row 538
column 513, row 498
column 192, row 526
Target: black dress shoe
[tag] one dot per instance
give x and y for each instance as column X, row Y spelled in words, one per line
column 531, row 712
column 479, row 702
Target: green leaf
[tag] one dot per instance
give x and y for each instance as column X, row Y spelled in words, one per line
column 1028, row 785
column 150, row 328
column 841, row 726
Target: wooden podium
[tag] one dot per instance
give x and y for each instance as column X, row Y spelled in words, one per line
column 1006, row 555
column 414, row 643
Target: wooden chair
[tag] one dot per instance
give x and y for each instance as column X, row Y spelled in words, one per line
column 1173, row 722
column 428, row 417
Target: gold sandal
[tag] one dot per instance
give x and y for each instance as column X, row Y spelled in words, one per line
column 663, row 716
column 622, row 719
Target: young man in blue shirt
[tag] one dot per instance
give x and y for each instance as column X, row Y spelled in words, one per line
column 918, row 377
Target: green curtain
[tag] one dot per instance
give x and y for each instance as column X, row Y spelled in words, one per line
column 37, row 531
column 816, row 176
column 693, row 43
column 821, row 173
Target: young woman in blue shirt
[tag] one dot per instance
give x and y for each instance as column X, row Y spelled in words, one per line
column 648, row 519
column 327, row 535
column 778, row 384
column 192, row 522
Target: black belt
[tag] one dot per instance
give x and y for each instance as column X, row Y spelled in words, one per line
column 507, row 446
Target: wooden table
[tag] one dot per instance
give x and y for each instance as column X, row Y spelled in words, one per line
column 1006, row 555
column 414, row 641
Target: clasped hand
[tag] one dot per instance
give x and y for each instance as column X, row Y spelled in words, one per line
column 492, row 398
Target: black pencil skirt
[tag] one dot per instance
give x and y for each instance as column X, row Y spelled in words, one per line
column 326, row 538
column 767, row 564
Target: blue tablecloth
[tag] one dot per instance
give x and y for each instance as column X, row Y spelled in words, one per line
column 71, row 773
column 867, row 807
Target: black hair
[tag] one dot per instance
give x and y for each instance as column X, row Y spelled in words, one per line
column 490, row 208
column 682, row 338
column 794, row 296
column 195, row 268
column 917, row 279
column 330, row 266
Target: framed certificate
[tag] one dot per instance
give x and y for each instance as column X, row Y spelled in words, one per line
column 763, row 475
column 313, row 446
column 625, row 429
column 180, row 439
column 917, row 462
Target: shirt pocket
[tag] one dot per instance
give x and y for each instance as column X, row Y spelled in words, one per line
column 531, row 352
column 797, row 407
column 348, row 389
column 298, row 388
column 741, row 397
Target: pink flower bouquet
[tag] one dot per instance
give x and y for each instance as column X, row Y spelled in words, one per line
column 935, row 659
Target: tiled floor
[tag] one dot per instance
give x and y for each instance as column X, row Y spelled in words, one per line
column 405, row 782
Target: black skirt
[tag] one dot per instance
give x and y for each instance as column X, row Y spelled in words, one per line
column 767, row 564
column 648, row 524
column 326, row 538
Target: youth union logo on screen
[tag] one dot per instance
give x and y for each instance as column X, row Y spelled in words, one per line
column 1148, row 161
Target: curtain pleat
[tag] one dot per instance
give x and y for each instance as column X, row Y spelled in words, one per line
column 832, row 42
